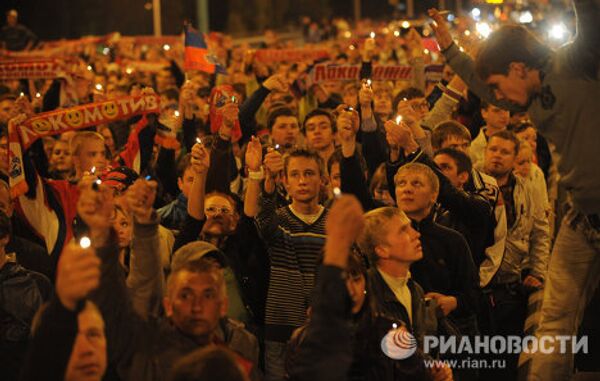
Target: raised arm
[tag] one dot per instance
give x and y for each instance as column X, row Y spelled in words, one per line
column 328, row 335
column 145, row 280
column 200, row 164
column 255, row 176
column 463, row 65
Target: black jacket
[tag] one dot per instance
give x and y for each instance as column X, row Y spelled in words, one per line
column 447, row 268
column 468, row 213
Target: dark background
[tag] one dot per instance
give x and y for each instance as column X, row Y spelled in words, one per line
column 54, row 19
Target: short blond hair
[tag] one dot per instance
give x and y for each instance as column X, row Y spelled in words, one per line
column 80, row 137
column 420, row 168
column 376, row 228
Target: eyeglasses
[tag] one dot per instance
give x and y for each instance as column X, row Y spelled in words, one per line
column 212, row 210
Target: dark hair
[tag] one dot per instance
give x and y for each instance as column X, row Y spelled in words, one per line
column 507, row 135
column 207, row 364
column 379, row 178
column 306, row 153
column 171, row 93
column 409, row 93
column 318, row 112
column 183, row 164
column 333, row 159
column 276, row 113
column 447, row 129
column 462, row 160
column 510, row 43
column 521, row 126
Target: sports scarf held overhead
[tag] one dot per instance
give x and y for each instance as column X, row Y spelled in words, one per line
column 43, row 68
column 22, row 136
column 222, row 95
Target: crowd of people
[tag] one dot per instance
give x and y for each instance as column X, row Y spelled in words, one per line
column 259, row 222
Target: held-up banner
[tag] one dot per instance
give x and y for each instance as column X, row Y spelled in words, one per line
column 290, row 55
column 327, row 72
column 23, row 135
column 31, row 69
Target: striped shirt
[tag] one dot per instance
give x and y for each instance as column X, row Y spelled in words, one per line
column 294, row 247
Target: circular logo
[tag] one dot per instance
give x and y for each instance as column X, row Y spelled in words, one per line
column 399, row 344
column 41, row 125
column 109, row 110
column 74, row 118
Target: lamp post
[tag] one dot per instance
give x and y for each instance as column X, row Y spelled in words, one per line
column 156, row 17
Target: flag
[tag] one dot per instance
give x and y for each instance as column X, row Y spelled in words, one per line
column 197, row 56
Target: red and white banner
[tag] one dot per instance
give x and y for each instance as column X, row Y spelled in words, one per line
column 328, row 72
column 290, row 55
column 21, row 136
column 32, row 69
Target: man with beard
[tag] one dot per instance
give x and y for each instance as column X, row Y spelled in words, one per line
column 524, row 264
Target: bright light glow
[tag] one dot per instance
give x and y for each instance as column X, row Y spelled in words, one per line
column 405, row 24
column 467, row 33
column 89, row 67
column 167, row 47
column 476, row 13
column 398, row 119
column 198, row 140
column 372, row 34
column 129, row 70
column 425, row 51
column 558, row 31
column 451, row 17
column 21, row 94
column 176, row 113
column 347, row 34
column 525, row 17
column 38, row 95
column 85, row 242
column 483, row 29
column 99, row 86
column 105, row 51
column 351, row 47
column 337, row 192
column 397, row 33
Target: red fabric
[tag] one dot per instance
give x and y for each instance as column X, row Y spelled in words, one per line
column 216, row 116
column 195, row 59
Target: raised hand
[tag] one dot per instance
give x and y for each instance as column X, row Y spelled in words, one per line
column 140, row 200
column 200, row 159
column 440, row 27
column 254, row 154
column 95, row 207
column 365, row 97
column 78, row 273
column 345, row 222
column 273, row 164
column 276, row 82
